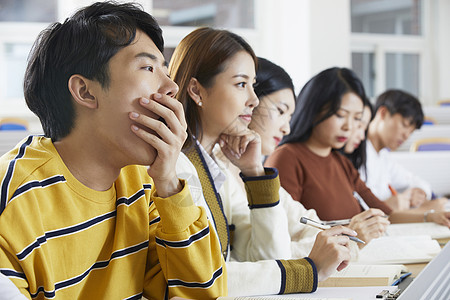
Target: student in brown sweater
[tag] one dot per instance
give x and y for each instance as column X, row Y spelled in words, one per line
column 328, row 107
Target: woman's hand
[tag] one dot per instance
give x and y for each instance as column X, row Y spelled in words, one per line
column 244, row 151
column 331, row 251
column 369, row 224
column 401, row 201
column 418, row 197
column 436, row 204
column 439, row 217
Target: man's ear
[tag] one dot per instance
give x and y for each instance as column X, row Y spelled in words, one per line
column 383, row 112
column 195, row 91
column 80, row 89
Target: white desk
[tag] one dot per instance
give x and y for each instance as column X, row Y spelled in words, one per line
column 356, row 293
column 432, row 166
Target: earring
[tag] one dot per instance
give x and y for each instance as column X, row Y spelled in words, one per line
column 200, row 103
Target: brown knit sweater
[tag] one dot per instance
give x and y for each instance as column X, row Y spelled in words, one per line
column 323, row 183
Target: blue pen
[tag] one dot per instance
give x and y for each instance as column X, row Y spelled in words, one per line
column 401, row 278
column 355, row 239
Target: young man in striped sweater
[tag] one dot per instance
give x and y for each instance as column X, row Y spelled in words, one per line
column 93, row 209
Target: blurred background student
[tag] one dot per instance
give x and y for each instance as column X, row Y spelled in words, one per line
column 215, row 71
column 397, row 115
column 355, row 148
column 328, row 107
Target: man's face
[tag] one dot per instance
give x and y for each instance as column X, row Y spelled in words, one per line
column 395, row 130
column 136, row 71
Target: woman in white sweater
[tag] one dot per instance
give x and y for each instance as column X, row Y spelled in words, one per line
column 215, row 70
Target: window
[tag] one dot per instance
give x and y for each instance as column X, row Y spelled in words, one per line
column 15, row 64
column 402, row 17
column 217, row 13
column 402, row 71
column 389, row 45
column 28, row 10
column 22, row 20
column 364, row 65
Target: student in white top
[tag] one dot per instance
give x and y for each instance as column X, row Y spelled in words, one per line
column 215, row 70
column 397, row 115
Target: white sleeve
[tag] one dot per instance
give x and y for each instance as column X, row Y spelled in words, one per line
column 260, row 233
column 402, row 179
column 253, row 278
column 8, row 291
column 302, row 236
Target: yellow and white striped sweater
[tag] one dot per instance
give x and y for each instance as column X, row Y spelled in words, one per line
column 60, row 239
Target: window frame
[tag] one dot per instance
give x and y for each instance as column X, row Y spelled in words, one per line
column 27, row 32
column 381, row 44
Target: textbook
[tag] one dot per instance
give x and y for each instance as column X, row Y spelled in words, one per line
column 365, row 275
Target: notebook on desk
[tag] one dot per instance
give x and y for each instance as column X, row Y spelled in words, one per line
column 399, row 250
column 434, row 280
column 435, row 231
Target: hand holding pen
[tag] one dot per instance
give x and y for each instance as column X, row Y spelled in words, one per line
column 321, row 225
column 370, row 224
column 331, row 250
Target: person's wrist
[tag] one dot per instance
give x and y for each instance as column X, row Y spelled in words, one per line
column 167, row 188
column 253, row 171
column 425, row 214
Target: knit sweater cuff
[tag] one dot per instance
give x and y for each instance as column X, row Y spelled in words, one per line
column 178, row 211
column 298, row 276
column 263, row 191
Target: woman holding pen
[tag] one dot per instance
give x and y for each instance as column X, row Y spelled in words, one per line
column 215, row 71
column 328, row 108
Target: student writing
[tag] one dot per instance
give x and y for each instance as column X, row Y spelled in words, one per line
column 397, row 115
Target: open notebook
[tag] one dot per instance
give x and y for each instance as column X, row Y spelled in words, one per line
column 399, row 250
column 434, row 230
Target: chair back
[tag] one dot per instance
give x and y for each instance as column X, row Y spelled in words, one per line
column 445, row 102
column 13, row 124
column 431, row 144
column 429, row 120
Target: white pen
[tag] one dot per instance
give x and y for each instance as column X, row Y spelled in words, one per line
column 315, row 224
column 360, row 201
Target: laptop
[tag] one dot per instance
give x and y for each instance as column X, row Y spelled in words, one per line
column 433, row 283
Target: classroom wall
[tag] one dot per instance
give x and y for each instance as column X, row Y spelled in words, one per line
column 295, row 38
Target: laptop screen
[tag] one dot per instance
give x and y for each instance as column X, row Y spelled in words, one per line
column 434, row 280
